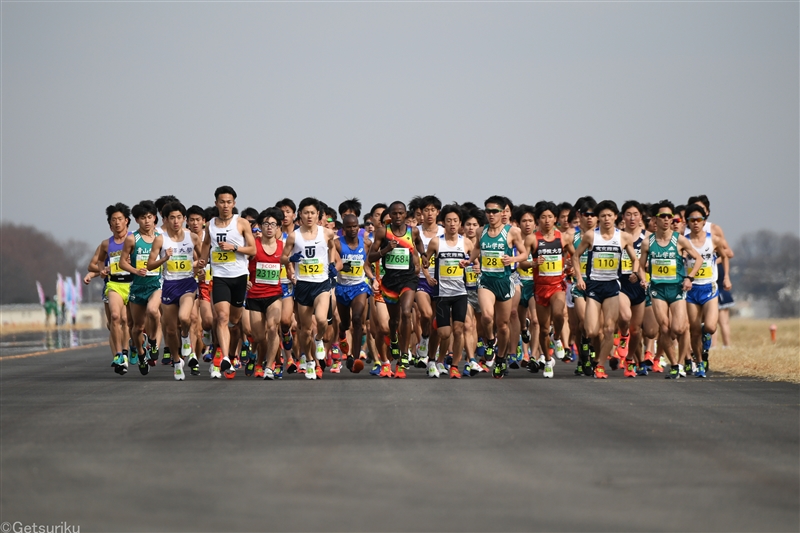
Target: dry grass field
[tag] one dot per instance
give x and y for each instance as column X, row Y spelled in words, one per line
column 753, row 354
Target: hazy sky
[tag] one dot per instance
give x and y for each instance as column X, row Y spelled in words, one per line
column 124, row 101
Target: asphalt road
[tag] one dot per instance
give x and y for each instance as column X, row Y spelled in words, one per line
column 86, row 447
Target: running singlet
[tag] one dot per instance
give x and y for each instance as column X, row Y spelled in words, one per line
column 141, row 253
column 492, row 251
column 708, row 272
column 115, row 272
column 313, row 266
column 604, row 257
column 666, row 264
column 398, row 261
column 551, row 271
column 353, row 261
column 265, row 271
column 626, row 268
column 584, row 259
column 179, row 265
column 449, row 273
column 227, row 263
column 431, row 260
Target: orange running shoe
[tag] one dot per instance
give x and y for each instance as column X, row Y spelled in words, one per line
column 259, row 372
column 335, row 367
column 630, row 369
column 454, row 373
column 358, row 366
column 600, row 372
column 622, row 349
column 217, row 358
column 400, row 372
column 386, row 371
column 344, row 347
column 656, row 367
column 319, row 372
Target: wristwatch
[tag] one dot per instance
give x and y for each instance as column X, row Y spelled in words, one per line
column 690, row 278
column 235, row 247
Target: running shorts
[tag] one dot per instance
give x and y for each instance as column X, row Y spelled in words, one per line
column 231, row 290
column 451, row 308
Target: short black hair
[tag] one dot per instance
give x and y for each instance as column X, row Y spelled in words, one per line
column 632, row 203
column 196, row 210
column 694, row 208
column 353, row 204
column 497, row 200
column 661, row 205
column 163, row 201
column 521, row 210
column 171, row 208
column 270, row 212
column 543, row 206
column 702, row 198
column 564, row 206
column 414, row 204
column 309, row 201
column 430, row 200
column 118, row 207
column 250, row 212
column 451, row 208
column 211, row 212
column 376, row 207
column 286, row 202
column 144, row 207
column 611, row 205
column 478, row 214
column 225, row 189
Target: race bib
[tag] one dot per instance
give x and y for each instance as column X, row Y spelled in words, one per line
column 356, row 269
column 141, row 262
column 553, row 266
column 705, row 272
column 310, row 266
column 398, row 259
column 268, row 273
column 584, row 261
column 223, row 256
column 179, row 263
column 492, row 261
column 113, row 266
column 663, row 270
column 604, row 261
column 472, row 277
column 284, row 275
column 450, row 268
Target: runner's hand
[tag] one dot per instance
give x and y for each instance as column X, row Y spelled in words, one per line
column 296, row 257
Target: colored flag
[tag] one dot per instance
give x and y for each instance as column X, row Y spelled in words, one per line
column 40, row 290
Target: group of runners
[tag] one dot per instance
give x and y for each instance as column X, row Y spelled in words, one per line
column 456, row 290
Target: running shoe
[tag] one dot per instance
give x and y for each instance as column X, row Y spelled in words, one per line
column 422, row 349
column 448, row 360
column 193, row 364
column 480, row 348
column 578, row 369
column 177, row 371
column 303, row 364
column 237, row 363
column 120, row 364
column 512, row 361
column 144, row 368
column 533, row 366
column 344, row 347
column 166, row 357
column 217, row 361
column 474, row 368
column 548, row 368
column 335, row 367
column 152, row 354
column 376, row 369
column 689, row 367
column 641, row 370
column 622, row 349
column 613, row 362
column 649, row 359
column 499, row 370
column 259, row 372
column 441, row 368
column 656, row 367
column 267, row 374
column 404, row 361
column 386, row 371
column 278, row 372
column 588, row 368
column 454, row 373
column 394, row 350
column 186, row 347
column 490, row 349
column 465, row 372
column 207, row 354
column 349, row 362
column 673, row 373
column 701, row 371
column 399, row 372
column 250, row 367
column 311, row 370
column 358, row 365
column 559, row 351
column 630, row 369
column 134, row 358
column 292, row 368
column 681, row 371
column 706, row 340
column 526, row 332
column 215, row 373
column 433, row 372
column 319, row 353
column 318, row 370
column 600, row 372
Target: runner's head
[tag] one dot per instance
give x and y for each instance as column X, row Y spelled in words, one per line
column 196, row 219
column 225, row 201
column 376, row 213
column 546, row 216
column 695, row 217
column 663, row 212
column 270, row 220
column 329, row 217
column 632, row 214
column 430, row 206
column 677, row 220
column 369, row 225
column 451, row 216
column 161, row 202
column 607, row 214
column 351, row 206
column 703, row 201
column 174, row 214
column 350, row 226
column 564, row 209
column 146, row 215
column 507, row 210
column 289, row 209
column 473, row 220
column 118, row 216
column 493, row 207
column 309, row 212
column 398, row 213
column 525, row 217
column 586, row 208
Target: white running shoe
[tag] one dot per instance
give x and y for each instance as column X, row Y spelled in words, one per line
column 681, row 371
column 541, row 361
column 422, row 349
column 269, row 374
column 440, row 367
column 177, row 371
column 311, row 370
column 320, row 353
column 207, row 337
column 186, row 346
column 474, row 366
column 303, row 364
column 548, row 368
column 559, row 351
column 215, row 372
column 433, row 372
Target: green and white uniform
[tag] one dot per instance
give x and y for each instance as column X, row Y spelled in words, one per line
column 495, row 276
column 143, row 287
column 666, row 270
column 584, row 260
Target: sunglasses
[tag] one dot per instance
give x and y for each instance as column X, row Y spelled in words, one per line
column 665, row 215
column 492, row 211
column 330, row 220
column 589, row 214
column 676, row 221
column 696, row 219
